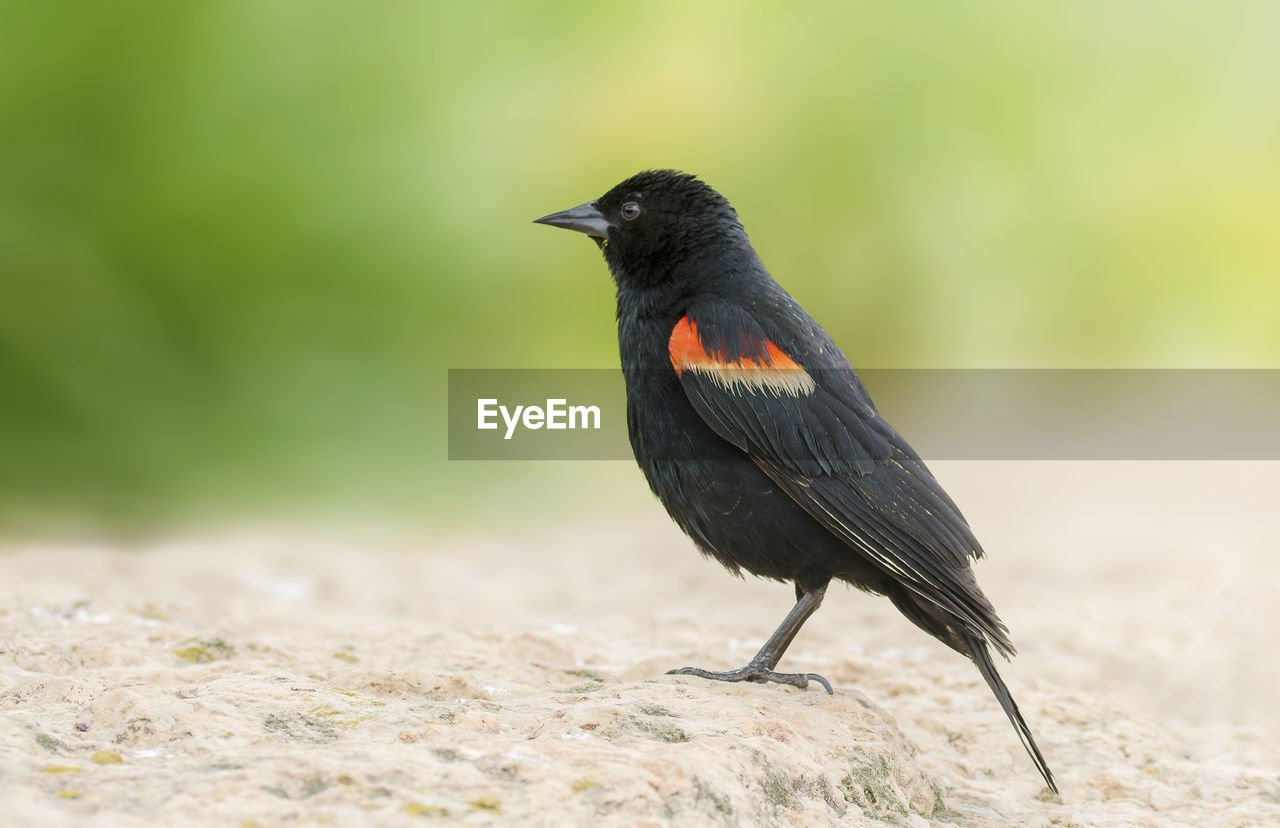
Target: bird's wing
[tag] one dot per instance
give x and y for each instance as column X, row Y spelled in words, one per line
column 756, row 390
column 786, row 396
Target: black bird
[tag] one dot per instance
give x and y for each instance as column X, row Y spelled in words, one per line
column 759, row 438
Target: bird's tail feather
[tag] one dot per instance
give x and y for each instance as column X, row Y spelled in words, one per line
column 982, row 658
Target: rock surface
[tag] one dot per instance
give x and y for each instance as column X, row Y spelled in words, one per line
column 274, row 678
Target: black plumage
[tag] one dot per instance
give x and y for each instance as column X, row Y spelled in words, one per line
column 758, row 437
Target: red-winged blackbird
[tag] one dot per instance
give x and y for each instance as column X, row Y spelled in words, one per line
column 756, row 434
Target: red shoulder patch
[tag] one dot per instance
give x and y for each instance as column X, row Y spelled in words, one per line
column 780, row 375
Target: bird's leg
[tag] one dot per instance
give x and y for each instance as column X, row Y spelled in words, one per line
column 761, row 667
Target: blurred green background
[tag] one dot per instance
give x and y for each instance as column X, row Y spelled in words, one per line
column 241, row 242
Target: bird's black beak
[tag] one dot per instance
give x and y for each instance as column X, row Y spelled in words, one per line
column 584, row 218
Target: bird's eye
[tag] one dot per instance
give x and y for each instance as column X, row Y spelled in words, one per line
column 631, row 211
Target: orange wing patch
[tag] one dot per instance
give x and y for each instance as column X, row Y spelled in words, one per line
column 782, row 375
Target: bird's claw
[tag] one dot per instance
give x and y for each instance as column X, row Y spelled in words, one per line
column 756, row 673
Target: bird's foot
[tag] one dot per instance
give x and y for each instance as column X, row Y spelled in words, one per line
column 756, row 672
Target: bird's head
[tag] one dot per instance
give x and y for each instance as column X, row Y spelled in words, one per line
column 654, row 224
